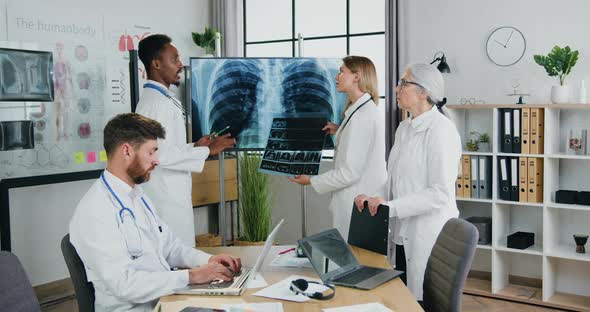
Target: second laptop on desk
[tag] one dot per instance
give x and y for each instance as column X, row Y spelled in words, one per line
column 334, row 262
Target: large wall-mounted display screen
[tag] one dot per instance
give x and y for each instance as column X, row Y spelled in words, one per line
column 26, row 75
column 246, row 93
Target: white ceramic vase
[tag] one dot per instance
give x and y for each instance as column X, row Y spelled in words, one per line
column 560, row 94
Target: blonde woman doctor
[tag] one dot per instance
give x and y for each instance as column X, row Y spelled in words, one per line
column 422, row 169
column 359, row 158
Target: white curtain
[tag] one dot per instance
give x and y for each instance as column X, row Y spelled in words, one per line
column 227, row 17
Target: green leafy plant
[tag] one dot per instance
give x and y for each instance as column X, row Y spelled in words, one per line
column 477, row 138
column 472, row 145
column 558, row 62
column 254, row 199
column 205, row 40
column 481, row 137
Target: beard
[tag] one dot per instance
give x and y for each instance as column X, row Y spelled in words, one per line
column 137, row 173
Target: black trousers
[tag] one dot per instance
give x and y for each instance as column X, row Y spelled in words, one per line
column 400, row 261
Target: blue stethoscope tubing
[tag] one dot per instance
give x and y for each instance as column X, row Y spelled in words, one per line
column 125, row 209
column 166, row 94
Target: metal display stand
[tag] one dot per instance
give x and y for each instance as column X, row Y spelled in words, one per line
column 222, row 198
column 303, row 187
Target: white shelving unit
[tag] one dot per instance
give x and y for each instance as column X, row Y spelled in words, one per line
column 550, row 272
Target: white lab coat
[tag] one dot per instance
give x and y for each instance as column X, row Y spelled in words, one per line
column 422, row 170
column 120, row 283
column 359, row 162
column 170, row 184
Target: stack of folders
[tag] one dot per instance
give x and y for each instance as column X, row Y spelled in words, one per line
column 521, row 179
column 475, row 177
column 521, row 130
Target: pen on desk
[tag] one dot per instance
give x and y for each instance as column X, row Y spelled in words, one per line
column 286, row 251
column 218, row 133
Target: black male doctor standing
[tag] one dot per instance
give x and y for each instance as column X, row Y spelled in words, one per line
column 171, row 183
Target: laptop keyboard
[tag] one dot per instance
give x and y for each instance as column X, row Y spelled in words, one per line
column 235, row 282
column 358, row 276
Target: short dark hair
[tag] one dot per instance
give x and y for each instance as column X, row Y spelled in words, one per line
column 150, row 48
column 130, row 128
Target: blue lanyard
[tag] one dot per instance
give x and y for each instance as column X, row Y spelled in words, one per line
column 123, row 208
column 166, row 94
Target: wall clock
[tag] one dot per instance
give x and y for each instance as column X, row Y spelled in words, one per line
column 505, row 46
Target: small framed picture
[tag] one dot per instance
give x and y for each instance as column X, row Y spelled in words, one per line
column 576, row 142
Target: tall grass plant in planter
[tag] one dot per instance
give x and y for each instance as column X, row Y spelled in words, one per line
column 255, row 206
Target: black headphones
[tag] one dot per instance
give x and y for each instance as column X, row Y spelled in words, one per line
column 299, row 286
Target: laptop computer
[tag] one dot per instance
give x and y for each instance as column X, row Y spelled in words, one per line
column 332, row 259
column 239, row 283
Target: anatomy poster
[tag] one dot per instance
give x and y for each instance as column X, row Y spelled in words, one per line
column 67, row 131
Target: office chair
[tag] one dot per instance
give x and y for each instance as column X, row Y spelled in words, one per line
column 83, row 288
column 16, row 291
column 448, row 266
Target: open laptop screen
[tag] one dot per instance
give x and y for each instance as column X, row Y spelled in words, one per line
column 329, row 254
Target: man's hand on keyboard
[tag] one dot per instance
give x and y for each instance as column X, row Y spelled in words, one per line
column 233, row 263
column 209, row 272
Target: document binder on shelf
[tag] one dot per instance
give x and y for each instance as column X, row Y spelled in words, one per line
column 516, row 127
column 474, row 177
column 537, row 129
column 485, row 177
column 523, row 180
column 525, row 137
column 459, row 182
column 504, row 180
column 535, row 178
column 466, row 176
column 514, row 190
column 506, row 127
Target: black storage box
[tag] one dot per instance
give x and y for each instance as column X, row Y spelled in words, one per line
column 566, row 197
column 521, row 240
column 583, row 198
column 484, row 227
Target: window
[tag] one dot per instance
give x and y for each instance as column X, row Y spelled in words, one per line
column 331, row 28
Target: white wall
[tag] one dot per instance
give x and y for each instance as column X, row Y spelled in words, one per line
column 40, row 215
column 460, row 28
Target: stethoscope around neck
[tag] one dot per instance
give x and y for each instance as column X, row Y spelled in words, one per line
column 166, row 94
column 341, row 128
column 131, row 235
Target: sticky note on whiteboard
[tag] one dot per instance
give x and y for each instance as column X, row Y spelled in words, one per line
column 91, row 157
column 102, row 156
column 79, row 157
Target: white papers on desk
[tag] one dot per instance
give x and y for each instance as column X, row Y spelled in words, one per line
column 281, row 290
column 257, row 282
column 290, row 259
column 254, row 307
column 367, row 307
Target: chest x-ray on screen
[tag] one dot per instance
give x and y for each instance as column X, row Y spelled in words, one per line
column 245, row 94
column 26, row 75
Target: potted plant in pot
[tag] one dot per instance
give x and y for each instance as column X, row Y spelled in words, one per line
column 255, row 203
column 559, row 62
column 206, row 40
column 479, row 142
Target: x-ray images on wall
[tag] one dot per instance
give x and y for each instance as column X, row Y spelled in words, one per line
column 26, row 75
column 245, row 94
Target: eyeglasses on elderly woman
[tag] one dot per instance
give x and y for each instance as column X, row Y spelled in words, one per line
column 402, row 83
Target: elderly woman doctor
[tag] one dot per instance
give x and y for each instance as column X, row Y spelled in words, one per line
column 422, row 168
column 359, row 158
